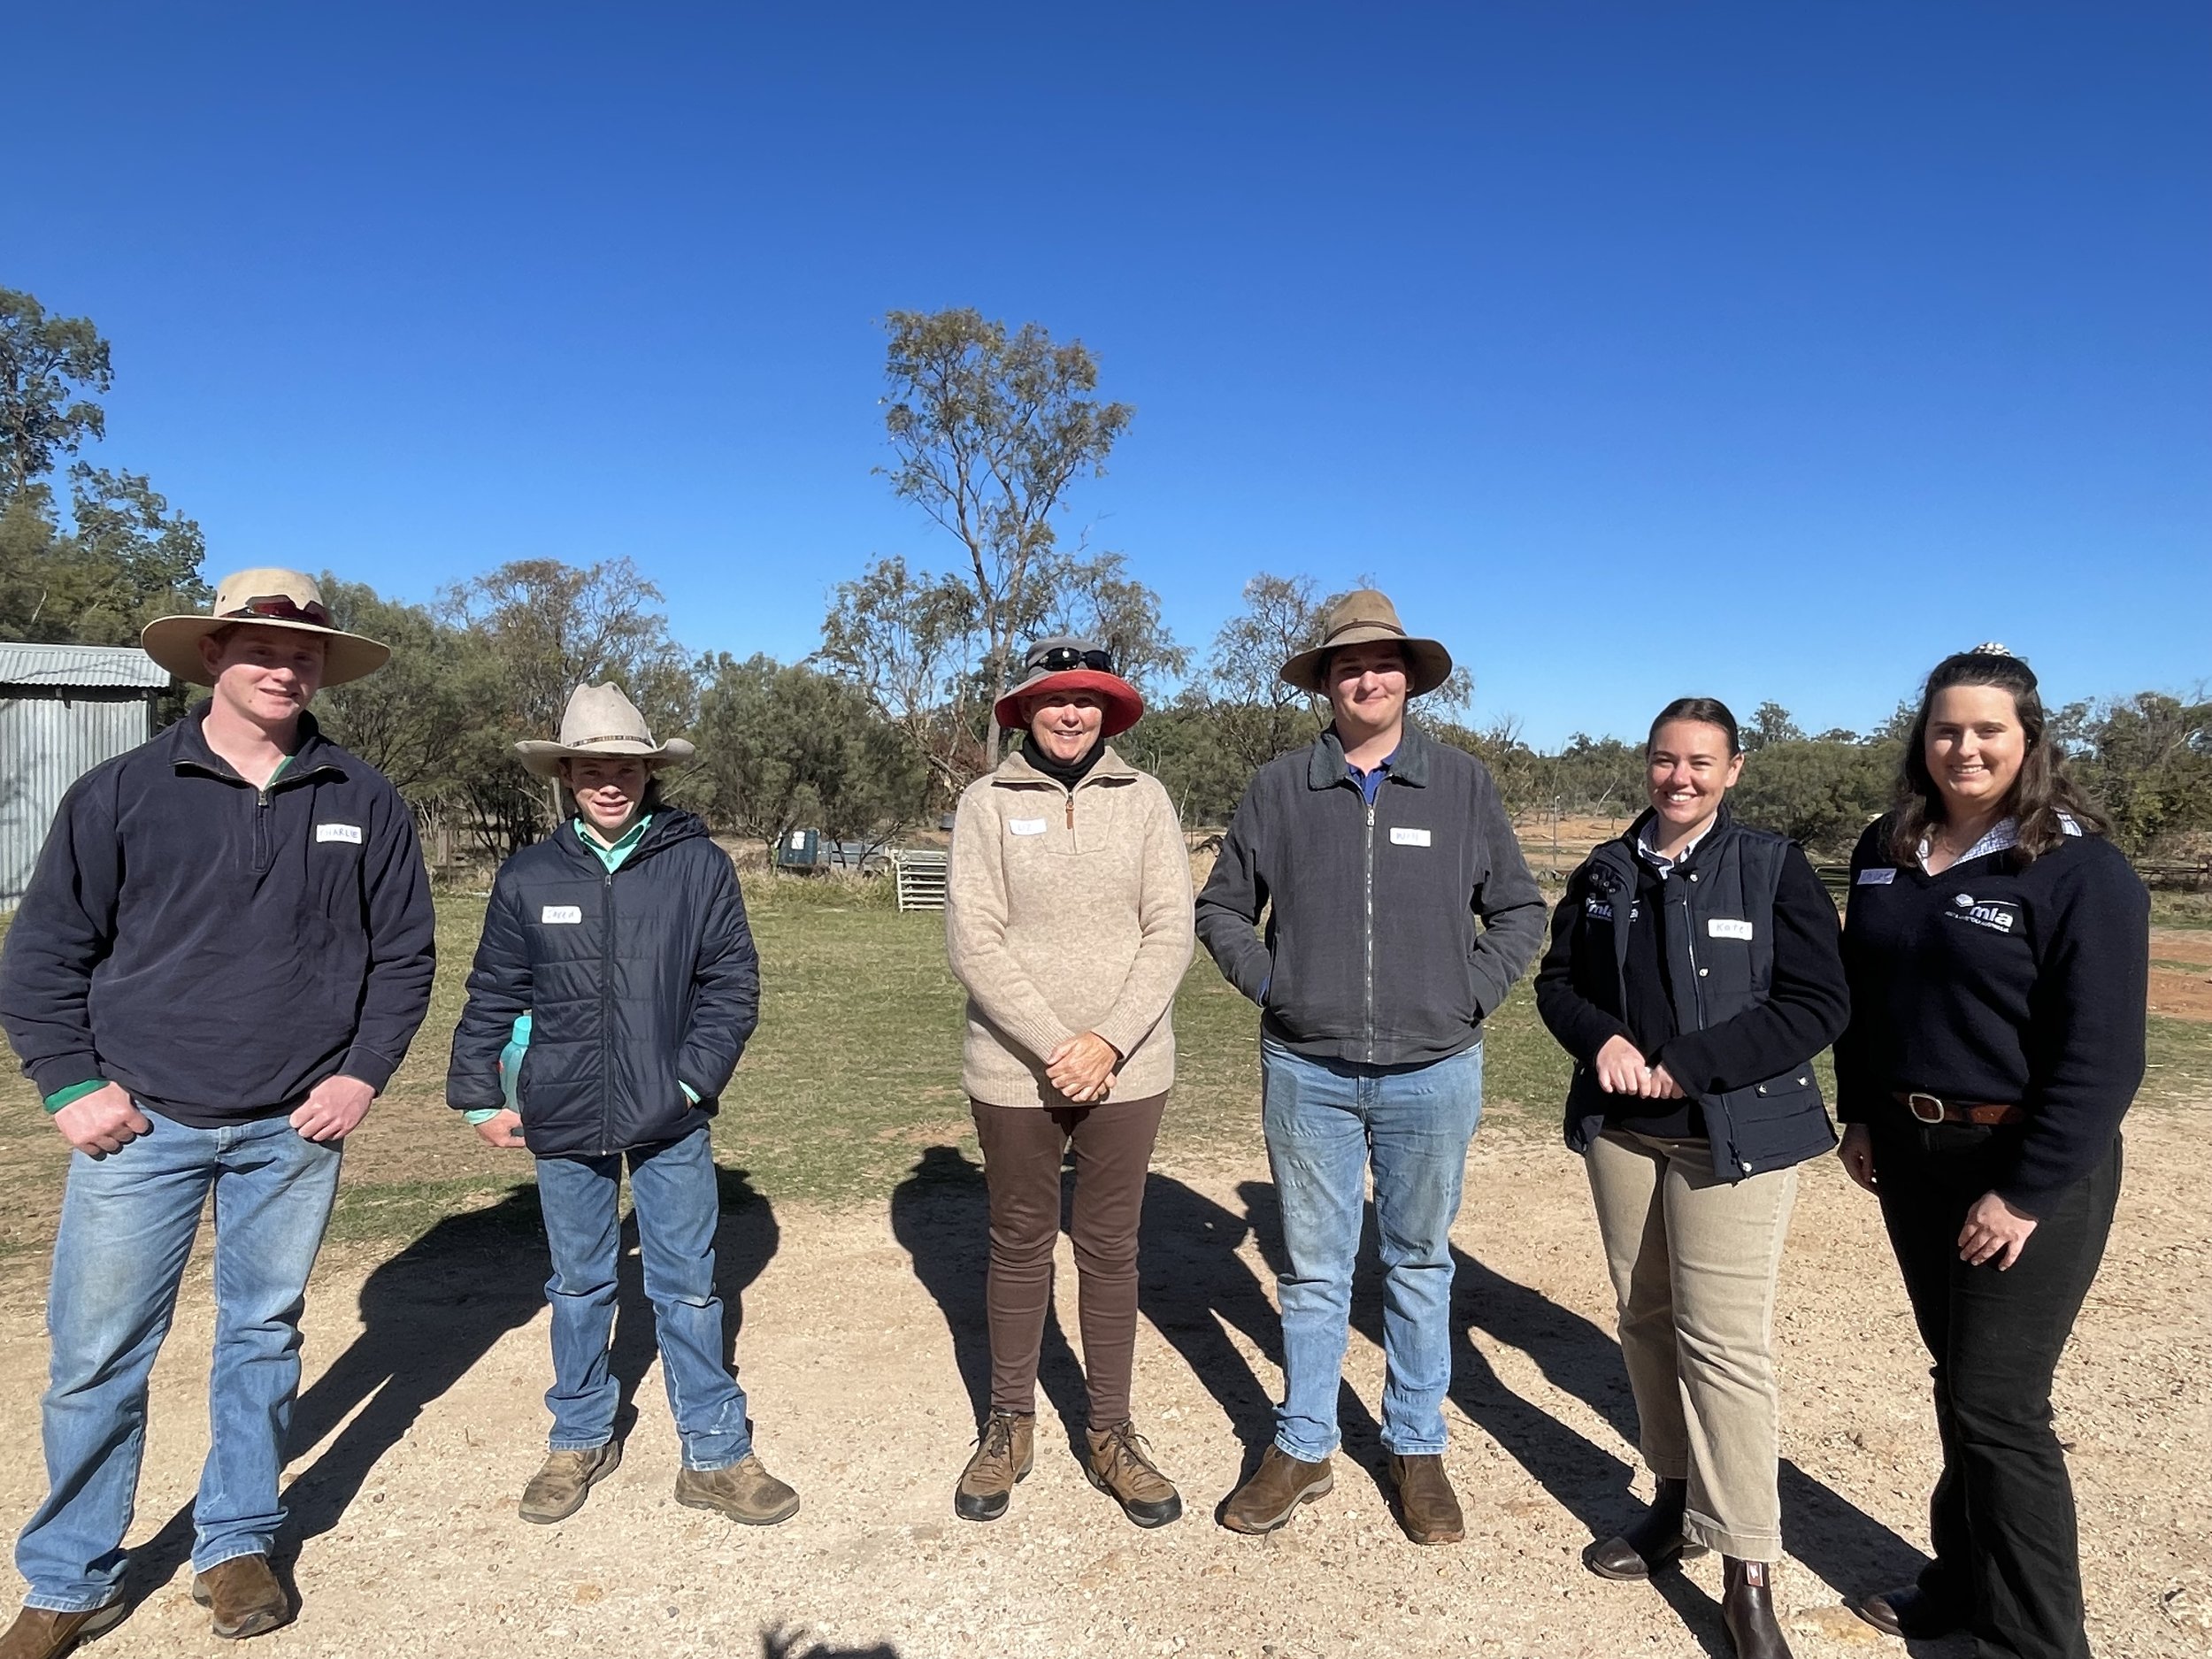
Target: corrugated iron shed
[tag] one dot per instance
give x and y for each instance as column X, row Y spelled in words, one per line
column 25, row 664
column 63, row 708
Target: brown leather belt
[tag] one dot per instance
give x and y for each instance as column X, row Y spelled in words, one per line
column 1933, row 1109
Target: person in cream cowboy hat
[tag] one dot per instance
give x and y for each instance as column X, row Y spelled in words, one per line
column 628, row 1056
column 243, row 867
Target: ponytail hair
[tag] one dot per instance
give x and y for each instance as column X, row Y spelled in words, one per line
column 2043, row 794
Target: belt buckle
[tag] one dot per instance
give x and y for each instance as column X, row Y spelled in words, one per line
column 1934, row 1112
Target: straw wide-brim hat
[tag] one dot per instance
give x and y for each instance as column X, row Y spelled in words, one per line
column 1361, row 619
column 1122, row 706
column 263, row 598
column 601, row 722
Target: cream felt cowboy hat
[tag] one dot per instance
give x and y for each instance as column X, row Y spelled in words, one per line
column 264, row 598
column 1359, row 618
column 600, row 721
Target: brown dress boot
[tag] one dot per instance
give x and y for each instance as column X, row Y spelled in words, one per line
column 39, row 1633
column 1650, row 1543
column 1005, row 1451
column 1277, row 1486
column 1746, row 1606
column 242, row 1597
column 1428, row 1509
column 1911, row 1614
column 1120, row 1466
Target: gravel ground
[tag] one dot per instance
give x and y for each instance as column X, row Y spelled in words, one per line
column 422, row 1419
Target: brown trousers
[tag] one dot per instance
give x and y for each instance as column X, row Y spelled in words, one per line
column 1023, row 1147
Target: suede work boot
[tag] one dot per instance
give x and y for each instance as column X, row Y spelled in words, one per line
column 744, row 1491
column 242, row 1597
column 1746, row 1606
column 1005, row 1451
column 558, row 1490
column 1428, row 1509
column 1120, row 1467
column 1649, row 1544
column 39, row 1633
column 1910, row 1614
column 1277, row 1486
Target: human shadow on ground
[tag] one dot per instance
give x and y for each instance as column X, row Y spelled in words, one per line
column 429, row 1315
column 781, row 1643
column 940, row 1213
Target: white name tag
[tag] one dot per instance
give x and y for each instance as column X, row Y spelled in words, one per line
column 1876, row 878
column 338, row 832
column 562, row 913
column 1721, row 927
column 1408, row 838
column 1025, row 826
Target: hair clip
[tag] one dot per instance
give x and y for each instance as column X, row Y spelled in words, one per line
column 1989, row 648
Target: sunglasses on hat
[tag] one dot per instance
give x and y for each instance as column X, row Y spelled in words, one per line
column 1061, row 658
column 278, row 608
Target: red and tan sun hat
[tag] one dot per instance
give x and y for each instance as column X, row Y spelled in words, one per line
column 266, row 598
column 1066, row 662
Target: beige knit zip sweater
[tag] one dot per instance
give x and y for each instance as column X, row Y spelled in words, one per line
column 1067, row 911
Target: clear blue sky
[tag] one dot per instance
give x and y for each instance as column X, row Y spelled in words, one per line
column 1769, row 350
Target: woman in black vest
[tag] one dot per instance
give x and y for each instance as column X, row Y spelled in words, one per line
column 1997, row 950
column 1692, row 974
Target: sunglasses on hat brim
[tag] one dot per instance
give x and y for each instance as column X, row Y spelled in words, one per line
column 278, row 608
column 1061, row 658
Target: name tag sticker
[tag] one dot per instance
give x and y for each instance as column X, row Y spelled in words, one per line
column 1025, row 826
column 1400, row 837
column 562, row 913
column 1721, row 927
column 338, row 832
column 1876, row 878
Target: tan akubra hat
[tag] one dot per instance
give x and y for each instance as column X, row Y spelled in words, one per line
column 1359, row 618
column 265, row 597
column 601, row 721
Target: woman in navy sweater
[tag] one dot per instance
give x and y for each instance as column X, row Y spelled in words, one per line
column 1998, row 949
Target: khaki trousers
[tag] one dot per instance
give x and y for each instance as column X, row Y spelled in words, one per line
column 1693, row 1259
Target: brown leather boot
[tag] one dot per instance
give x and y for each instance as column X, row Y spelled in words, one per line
column 1277, row 1486
column 559, row 1488
column 1911, row 1614
column 39, row 1633
column 242, row 1597
column 1649, row 1544
column 1120, row 1466
column 1005, row 1451
column 1428, row 1509
column 744, row 1491
column 1746, row 1606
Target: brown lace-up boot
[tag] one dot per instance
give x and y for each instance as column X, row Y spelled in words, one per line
column 1005, row 1451
column 559, row 1488
column 1121, row 1467
column 744, row 1491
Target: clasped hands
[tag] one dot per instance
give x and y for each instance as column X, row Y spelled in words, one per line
column 1621, row 1070
column 1082, row 1068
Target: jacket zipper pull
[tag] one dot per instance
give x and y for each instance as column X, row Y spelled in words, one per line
column 1071, row 809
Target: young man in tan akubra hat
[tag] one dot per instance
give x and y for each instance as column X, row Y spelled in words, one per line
column 615, row 956
column 1399, row 913
column 224, row 953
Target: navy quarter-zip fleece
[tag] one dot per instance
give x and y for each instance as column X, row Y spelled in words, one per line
column 218, row 949
column 1394, row 927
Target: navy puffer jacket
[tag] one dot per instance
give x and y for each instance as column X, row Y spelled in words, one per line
column 639, row 981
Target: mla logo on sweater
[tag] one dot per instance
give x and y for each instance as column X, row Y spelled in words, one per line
column 1998, row 915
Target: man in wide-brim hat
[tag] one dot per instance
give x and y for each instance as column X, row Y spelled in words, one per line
column 1399, row 913
column 615, row 955
column 223, row 954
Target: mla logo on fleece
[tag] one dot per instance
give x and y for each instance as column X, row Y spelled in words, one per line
column 2000, row 916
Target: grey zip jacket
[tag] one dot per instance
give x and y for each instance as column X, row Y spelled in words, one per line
column 1373, row 953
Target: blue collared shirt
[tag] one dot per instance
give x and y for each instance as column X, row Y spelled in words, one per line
column 1371, row 781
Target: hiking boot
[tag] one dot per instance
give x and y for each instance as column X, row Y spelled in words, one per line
column 744, row 1491
column 1428, row 1509
column 1277, row 1486
column 39, row 1633
column 1005, row 1451
column 558, row 1490
column 242, row 1597
column 1120, row 1466
column 1650, row 1543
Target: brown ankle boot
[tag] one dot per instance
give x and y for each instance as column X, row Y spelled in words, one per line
column 1648, row 1544
column 242, row 1597
column 1120, row 1466
column 1277, row 1486
column 39, row 1633
column 744, row 1491
column 1005, row 1451
column 1428, row 1509
column 1746, row 1606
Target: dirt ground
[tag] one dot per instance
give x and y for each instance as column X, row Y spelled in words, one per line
column 862, row 1346
column 2181, row 972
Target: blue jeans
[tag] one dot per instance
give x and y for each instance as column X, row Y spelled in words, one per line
column 1325, row 1121
column 127, row 1225
column 678, row 1205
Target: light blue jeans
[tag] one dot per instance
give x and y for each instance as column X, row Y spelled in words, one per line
column 679, row 1206
column 127, row 1225
column 1327, row 1121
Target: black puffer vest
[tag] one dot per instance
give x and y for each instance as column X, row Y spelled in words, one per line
column 1720, row 943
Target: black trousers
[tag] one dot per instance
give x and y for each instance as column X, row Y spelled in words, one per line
column 2007, row 1552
